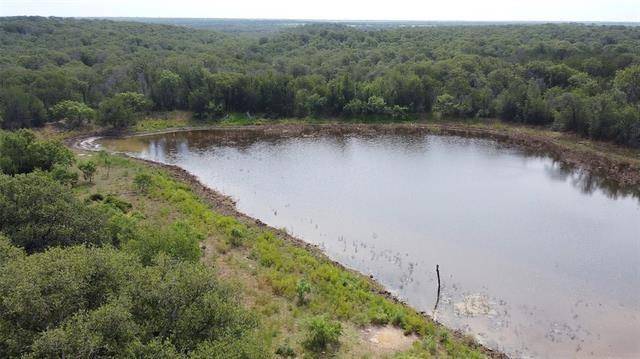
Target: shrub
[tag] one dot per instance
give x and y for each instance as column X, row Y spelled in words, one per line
column 322, row 334
column 96, row 197
column 21, row 152
column 100, row 302
column 430, row 345
column 63, row 175
column 107, row 161
column 37, row 212
column 74, row 113
column 143, row 182
column 121, row 205
column 179, row 241
column 88, row 169
column 121, row 110
column 302, row 289
column 285, row 351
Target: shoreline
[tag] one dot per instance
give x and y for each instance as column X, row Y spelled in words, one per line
column 629, row 175
column 622, row 170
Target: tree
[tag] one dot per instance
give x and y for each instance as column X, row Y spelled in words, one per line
column 20, row 109
column 628, row 127
column 355, row 107
column 168, row 90
column 74, row 113
column 37, row 212
column 106, row 159
column 446, row 105
column 376, row 105
column 46, row 290
column 88, row 169
column 571, row 112
column 21, row 152
column 628, row 81
column 309, row 103
column 120, row 111
column 102, row 302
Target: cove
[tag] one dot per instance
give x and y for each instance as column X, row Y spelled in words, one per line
column 536, row 260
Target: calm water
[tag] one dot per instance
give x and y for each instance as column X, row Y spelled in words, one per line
column 535, row 260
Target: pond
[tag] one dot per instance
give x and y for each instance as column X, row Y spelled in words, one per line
column 535, row 259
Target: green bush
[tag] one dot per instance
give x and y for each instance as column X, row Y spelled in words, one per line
column 21, row 152
column 88, row 169
column 302, row 289
column 117, row 203
column 101, row 302
column 143, row 182
column 74, row 113
column 63, row 175
column 121, row 110
column 37, row 212
column 8, row 251
column 42, row 290
column 322, row 334
column 179, row 241
column 285, row 351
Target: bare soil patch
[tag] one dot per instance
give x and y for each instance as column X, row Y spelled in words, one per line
column 387, row 339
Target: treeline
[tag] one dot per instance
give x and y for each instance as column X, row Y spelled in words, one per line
column 580, row 78
column 85, row 278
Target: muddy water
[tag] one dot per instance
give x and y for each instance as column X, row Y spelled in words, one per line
column 535, row 260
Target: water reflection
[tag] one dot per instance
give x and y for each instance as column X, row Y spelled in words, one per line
column 535, row 257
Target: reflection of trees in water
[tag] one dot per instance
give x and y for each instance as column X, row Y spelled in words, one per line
column 405, row 140
column 588, row 182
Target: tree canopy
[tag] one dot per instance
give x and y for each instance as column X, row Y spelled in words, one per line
column 21, row 152
column 520, row 73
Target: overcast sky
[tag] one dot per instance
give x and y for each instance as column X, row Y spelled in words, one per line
column 471, row 10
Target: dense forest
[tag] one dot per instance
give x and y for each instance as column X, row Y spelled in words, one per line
column 572, row 77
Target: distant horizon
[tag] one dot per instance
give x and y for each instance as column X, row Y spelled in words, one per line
column 334, row 20
column 612, row 11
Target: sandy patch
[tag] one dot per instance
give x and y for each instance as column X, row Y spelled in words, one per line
column 387, row 339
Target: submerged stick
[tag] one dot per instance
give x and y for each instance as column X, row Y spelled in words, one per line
column 438, row 298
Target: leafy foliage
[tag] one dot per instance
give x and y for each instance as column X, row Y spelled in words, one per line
column 21, row 152
column 120, row 111
column 322, row 334
column 74, row 113
column 88, row 169
column 178, row 241
column 302, row 289
column 88, row 302
column 143, row 182
column 520, row 73
column 37, row 212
